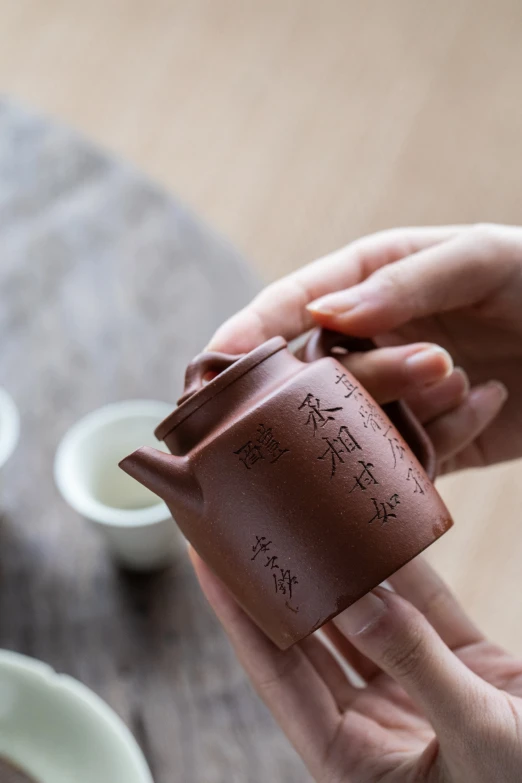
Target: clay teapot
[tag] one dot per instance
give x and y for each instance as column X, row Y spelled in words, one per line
column 296, row 488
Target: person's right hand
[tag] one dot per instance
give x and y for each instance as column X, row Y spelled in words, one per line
column 458, row 287
column 435, row 701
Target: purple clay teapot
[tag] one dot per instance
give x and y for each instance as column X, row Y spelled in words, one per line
column 295, row 487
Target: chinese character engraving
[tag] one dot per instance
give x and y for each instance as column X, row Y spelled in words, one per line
column 397, row 449
column 261, row 545
column 263, row 446
column 414, row 475
column 264, row 435
column 249, row 454
column 365, row 478
column 317, row 416
column 334, row 452
column 371, row 417
column 266, row 439
column 345, row 443
column 283, row 579
column 285, row 582
column 351, row 388
column 348, row 440
column 385, row 511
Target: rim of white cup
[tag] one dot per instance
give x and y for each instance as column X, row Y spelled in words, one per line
column 67, row 480
column 87, row 702
column 9, row 426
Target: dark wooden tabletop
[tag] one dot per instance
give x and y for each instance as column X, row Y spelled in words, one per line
column 107, row 289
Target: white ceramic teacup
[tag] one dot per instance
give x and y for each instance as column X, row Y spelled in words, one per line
column 137, row 525
column 9, row 426
column 58, row 731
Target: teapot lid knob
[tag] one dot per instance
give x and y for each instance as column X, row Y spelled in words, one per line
column 202, row 366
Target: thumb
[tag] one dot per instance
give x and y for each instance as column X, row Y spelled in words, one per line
column 393, row 634
column 458, row 273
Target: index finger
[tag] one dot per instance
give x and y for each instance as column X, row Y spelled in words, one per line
column 280, row 309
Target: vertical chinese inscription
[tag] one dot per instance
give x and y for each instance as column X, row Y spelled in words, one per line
column 318, row 416
column 351, row 389
column 283, row 579
column 343, row 443
column 417, row 481
column 385, row 510
column 249, row 454
column 371, row 417
column 261, row 546
column 344, row 447
column 266, row 439
column 365, row 478
column 263, row 445
column 397, row 449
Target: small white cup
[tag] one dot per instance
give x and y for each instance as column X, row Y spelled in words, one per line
column 137, row 525
column 58, row 731
column 9, row 426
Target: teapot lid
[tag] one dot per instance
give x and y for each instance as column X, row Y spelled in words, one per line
column 197, row 392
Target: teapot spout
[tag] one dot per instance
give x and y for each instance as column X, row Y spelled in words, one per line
column 168, row 476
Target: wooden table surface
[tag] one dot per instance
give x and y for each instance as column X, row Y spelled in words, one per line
column 107, row 289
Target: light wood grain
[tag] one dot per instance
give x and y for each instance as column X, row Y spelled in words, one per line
column 293, row 127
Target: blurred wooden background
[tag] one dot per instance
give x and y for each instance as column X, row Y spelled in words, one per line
column 294, row 126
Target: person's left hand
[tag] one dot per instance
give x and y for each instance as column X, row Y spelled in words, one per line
column 420, row 373
column 439, row 703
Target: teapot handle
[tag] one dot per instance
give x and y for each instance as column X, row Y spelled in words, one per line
column 204, row 364
column 323, row 342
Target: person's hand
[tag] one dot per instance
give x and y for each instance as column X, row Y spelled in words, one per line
column 458, row 287
column 438, row 704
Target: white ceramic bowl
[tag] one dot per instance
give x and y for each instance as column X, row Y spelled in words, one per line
column 9, row 426
column 137, row 525
column 58, row 731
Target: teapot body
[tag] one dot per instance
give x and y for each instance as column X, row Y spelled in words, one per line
column 310, row 495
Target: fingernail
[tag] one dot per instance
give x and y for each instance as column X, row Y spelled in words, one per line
column 361, row 615
column 334, row 304
column 462, row 376
column 430, row 364
column 497, row 389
